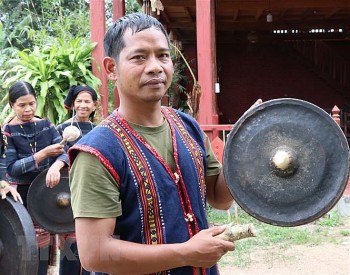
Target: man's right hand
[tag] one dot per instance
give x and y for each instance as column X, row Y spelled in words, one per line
column 205, row 250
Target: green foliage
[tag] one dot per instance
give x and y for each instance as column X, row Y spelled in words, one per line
column 62, row 19
column 10, row 39
column 34, row 22
column 38, row 43
column 51, row 69
column 178, row 96
column 345, row 232
column 132, row 6
column 331, row 219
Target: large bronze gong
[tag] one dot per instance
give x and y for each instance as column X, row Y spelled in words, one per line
column 286, row 162
column 51, row 207
column 18, row 247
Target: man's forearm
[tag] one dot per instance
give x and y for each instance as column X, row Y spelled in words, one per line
column 218, row 193
column 121, row 257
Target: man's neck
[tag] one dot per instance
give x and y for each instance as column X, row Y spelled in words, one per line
column 146, row 117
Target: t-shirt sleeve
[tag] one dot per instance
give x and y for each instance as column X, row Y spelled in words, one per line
column 94, row 191
column 213, row 165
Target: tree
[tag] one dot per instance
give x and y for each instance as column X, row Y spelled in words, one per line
column 52, row 69
column 50, row 48
column 45, row 51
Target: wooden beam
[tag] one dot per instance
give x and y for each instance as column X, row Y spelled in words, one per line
column 235, row 15
column 282, row 14
column 306, row 14
column 98, row 29
column 166, row 24
column 188, row 12
column 258, row 4
column 268, row 37
column 165, row 15
column 118, row 10
column 258, row 14
column 285, row 24
column 278, row 25
column 333, row 11
column 206, row 48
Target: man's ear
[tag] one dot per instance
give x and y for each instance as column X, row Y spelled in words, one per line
column 110, row 68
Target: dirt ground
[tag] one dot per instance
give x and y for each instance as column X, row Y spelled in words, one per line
column 323, row 259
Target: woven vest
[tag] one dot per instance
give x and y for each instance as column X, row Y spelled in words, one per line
column 158, row 206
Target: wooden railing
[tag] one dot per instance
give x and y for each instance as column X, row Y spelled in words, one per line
column 345, row 123
column 217, row 134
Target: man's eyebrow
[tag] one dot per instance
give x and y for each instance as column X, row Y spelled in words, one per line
column 142, row 50
column 165, row 49
column 138, row 50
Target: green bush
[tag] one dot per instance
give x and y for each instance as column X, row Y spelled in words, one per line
column 51, row 69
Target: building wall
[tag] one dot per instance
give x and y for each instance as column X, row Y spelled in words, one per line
column 267, row 71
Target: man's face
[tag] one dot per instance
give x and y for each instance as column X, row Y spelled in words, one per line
column 144, row 70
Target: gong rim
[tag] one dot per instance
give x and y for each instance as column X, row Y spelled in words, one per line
column 279, row 199
column 18, row 244
column 45, row 204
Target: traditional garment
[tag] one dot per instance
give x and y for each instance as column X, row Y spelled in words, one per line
column 23, row 141
column 158, row 205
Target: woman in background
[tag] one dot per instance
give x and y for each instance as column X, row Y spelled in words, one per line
column 81, row 100
column 33, row 145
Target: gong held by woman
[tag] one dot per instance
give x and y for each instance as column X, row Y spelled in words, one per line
column 33, row 146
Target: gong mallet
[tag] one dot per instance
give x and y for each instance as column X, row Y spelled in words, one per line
column 237, row 232
column 70, row 133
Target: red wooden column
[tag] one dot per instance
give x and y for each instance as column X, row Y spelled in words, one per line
column 98, row 29
column 206, row 52
column 118, row 11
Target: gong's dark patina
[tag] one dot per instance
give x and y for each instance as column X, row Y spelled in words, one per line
column 51, row 207
column 18, row 247
column 286, row 162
